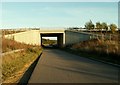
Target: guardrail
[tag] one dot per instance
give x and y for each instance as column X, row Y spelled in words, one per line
column 6, row 53
column 99, row 36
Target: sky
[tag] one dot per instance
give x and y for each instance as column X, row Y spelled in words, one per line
column 56, row 14
column 60, row 0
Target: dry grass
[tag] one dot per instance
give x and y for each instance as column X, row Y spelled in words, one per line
column 15, row 62
column 9, row 45
column 106, row 46
column 105, row 50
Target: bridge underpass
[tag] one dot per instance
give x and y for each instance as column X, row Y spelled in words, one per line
column 64, row 37
column 58, row 35
column 57, row 66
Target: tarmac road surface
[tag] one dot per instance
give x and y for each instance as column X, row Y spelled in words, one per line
column 56, row 66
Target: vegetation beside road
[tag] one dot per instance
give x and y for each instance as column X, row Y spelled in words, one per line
column 105, row 50
column 9, row 45
column 48, row 41
column 15, row 64
column 99, row 27
column 105, row 46
column 12, row 31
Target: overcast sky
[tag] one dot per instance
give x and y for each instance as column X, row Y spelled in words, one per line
column 57, row 14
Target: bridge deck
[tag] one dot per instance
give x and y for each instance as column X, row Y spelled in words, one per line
column 56, row 66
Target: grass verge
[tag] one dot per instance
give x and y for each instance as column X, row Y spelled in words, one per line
column 106, row 51
column 15, row 64
column 9, row 45
column 111, row 58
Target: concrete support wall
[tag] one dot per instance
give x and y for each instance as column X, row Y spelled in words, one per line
column 75, row 37
column 29, row 37
column 60, row 40
column 64, row 37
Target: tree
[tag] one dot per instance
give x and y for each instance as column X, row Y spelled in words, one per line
column 98, row 26
column 104, row 26
column 113, row 27
column 89, row 25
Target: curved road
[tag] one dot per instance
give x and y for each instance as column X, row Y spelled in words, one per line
column 56, row 66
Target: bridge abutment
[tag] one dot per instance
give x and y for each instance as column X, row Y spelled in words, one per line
column 64, row 38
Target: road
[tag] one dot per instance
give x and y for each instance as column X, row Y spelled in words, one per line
column 56, row 66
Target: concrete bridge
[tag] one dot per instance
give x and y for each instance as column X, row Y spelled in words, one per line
column 64, row 37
